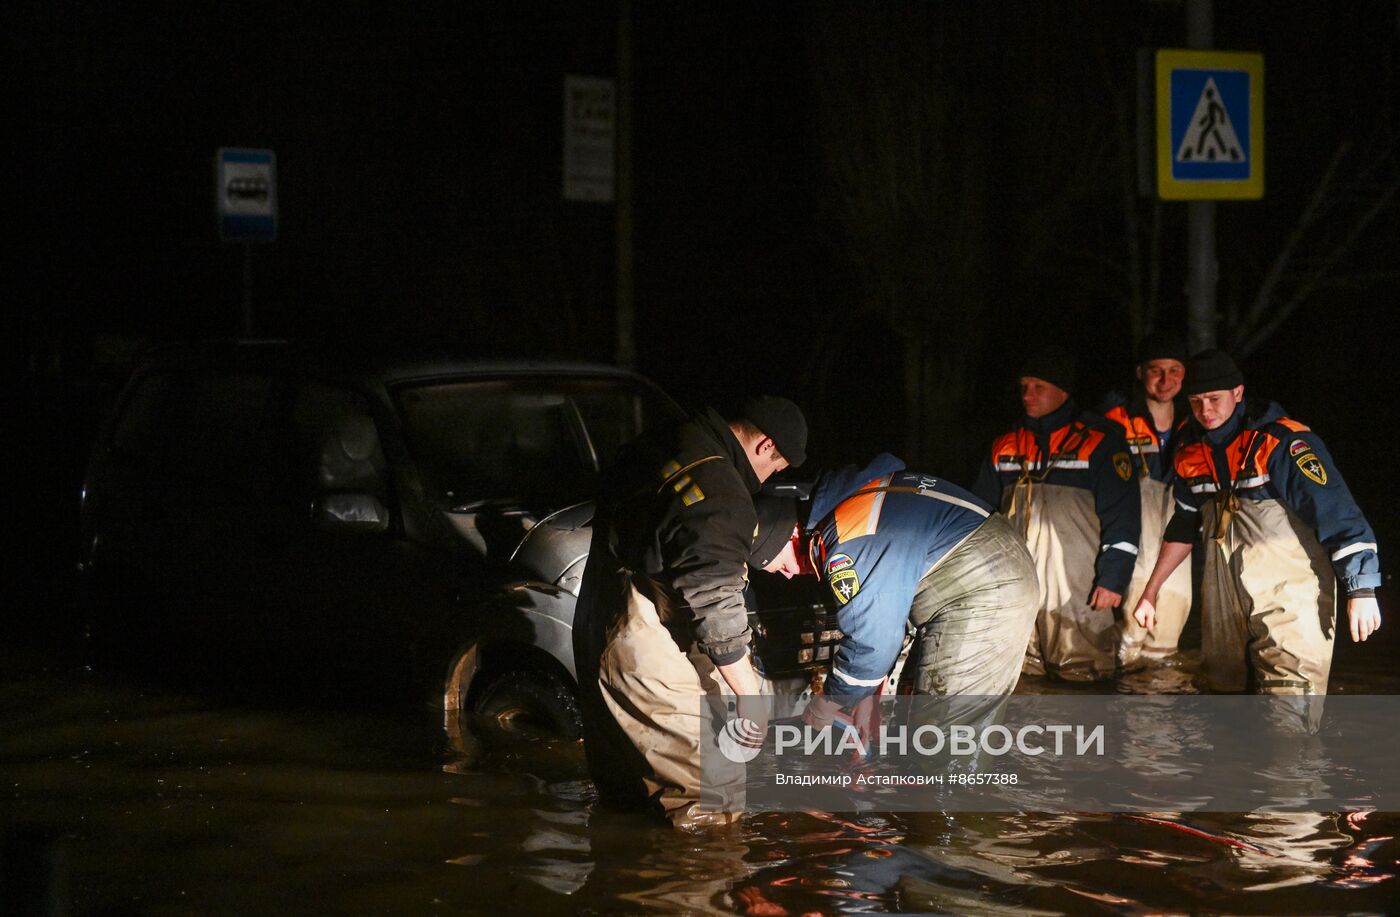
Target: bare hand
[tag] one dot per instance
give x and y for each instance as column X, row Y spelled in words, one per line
column 819, row 712
column 754, row 707
column 1365, row 616
column 1145, row 613
column 866, row 717
column 1105, row 599
column 747, row 686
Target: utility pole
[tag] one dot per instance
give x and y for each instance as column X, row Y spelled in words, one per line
column 626, row 342
column 1203, row 269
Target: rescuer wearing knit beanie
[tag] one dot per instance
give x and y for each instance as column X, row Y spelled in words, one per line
column 1281, row 533
column 1064, row 478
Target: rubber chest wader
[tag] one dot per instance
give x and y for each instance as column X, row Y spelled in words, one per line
column 1173, row 601
column 1269, row 609
column 1061, row 529
column 654, row 681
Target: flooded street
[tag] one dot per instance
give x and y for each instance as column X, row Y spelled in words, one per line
column 143, row 802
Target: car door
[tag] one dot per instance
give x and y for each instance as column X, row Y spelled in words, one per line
column 348, row 589
column 170, row 509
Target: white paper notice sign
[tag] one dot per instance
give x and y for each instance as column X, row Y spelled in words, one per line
column 590, row 129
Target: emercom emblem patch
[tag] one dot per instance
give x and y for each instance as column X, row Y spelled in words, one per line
column 1311, row 465
column 1123, row 465
column 844, row 584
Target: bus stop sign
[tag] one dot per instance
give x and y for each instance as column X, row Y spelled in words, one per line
column 245, row 192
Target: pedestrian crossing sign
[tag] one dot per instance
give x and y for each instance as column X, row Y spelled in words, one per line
column 1210, row 125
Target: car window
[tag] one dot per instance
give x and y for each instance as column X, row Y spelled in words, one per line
column 336, row 443
column 539, row 441
column 207, row 427
column 225, row 435
column 145, row 418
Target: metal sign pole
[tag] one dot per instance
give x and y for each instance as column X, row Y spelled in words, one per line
column 626, row 316
column 1201, row 265
column 245, row 197
column 247, row 290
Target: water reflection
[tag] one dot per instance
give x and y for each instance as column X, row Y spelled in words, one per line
column 161, row 804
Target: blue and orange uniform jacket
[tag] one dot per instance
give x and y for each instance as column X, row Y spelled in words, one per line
column 1070, row 448
column 876, row 532
column 1261, row 454
column 1152, row 452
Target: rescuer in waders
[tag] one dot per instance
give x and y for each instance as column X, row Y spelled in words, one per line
column 1064, row 479
column 661, row 626
column 902, row 550
column 1280, row 529
column 1150, row 422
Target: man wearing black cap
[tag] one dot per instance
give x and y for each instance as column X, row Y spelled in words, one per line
column 1149, row 422
column 661, row 625
column 1280, row 527
column 1065, row 479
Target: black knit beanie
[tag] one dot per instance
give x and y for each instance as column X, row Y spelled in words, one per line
column 1211, row 371
column 1161, row 345
column 1054, row 364
column 777, row 517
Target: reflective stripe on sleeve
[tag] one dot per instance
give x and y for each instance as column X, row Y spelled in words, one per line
column 875, row 508
column 949, row 498
column 1351, row 549
column 862, row 682
column 1186, row 506
column 1120, row 546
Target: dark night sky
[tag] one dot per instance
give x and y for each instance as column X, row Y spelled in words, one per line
column 419, row 174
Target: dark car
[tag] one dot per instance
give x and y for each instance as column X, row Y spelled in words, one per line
column 278, row 519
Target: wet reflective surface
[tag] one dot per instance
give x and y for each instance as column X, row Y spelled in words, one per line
column 130, row 801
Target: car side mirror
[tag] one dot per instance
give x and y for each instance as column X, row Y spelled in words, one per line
column 350, row 512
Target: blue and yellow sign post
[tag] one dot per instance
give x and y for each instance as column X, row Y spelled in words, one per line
column 1210, row 125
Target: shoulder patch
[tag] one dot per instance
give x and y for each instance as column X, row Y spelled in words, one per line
column 839, row 562
column 844, row 584
column 1298, row 447
column 1311, row 465
column 1123, row 465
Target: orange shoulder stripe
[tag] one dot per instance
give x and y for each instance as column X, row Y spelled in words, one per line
column 1087, row 445
column 857, row 516
column 1193, row 460
column 1004, row 444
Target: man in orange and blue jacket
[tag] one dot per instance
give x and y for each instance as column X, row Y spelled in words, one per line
column 1065, row 479
column 1260, row 491
column 904, row 552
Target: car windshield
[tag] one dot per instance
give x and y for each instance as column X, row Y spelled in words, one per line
column 536, row 441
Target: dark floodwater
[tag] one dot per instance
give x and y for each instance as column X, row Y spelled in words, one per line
column 154, row 803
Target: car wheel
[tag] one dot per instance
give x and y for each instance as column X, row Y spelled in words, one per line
column 530, row 700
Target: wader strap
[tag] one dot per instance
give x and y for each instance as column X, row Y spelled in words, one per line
column 681, row 471
column 1023, row 492
column 1227, row 501
column 1019, row 511
column 613, row 544
column 1287, row 683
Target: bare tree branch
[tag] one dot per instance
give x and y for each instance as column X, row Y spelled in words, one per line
column 1316, row 203
column 1333, row 258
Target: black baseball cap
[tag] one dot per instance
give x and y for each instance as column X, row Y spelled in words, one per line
column 782, row 422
